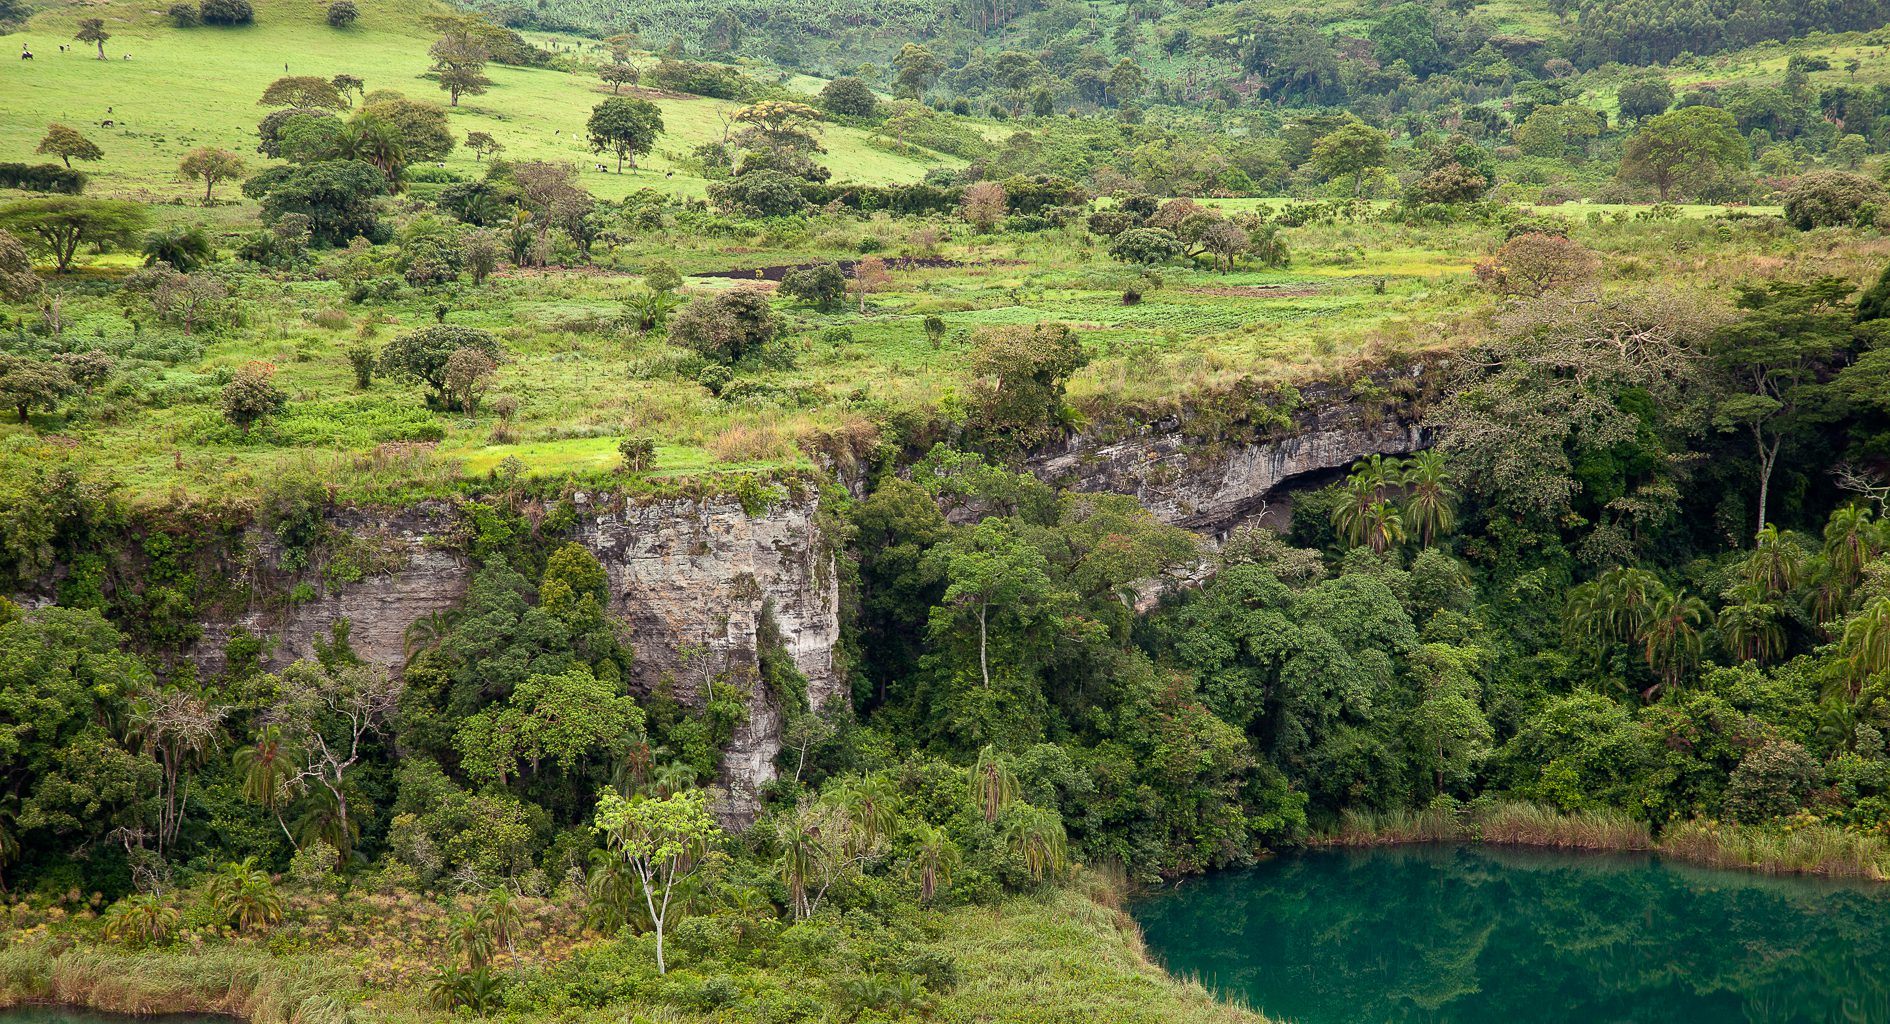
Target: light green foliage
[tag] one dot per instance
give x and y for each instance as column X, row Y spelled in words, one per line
column 662, row 842
column 549, row 721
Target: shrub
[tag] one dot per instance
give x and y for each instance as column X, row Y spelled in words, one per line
column 1771, row 782
column 342, row 13
column 42, row 178
column 725, row 327
column 1830, row 199
column 361, row 359
column 1146, row 246
column 252, row 396
column 425, row 352
column 184, row 15
column 849, row 97
column 823, row 286
column 227, row 12
column 764, row 193
column 638, row 453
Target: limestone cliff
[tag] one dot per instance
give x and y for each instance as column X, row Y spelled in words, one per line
column 690, row 575
column 1213, row 480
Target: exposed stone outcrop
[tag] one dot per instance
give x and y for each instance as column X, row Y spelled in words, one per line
column 690, row 575
column 1213, row 485
column 693, row 578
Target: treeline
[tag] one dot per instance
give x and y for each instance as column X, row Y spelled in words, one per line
column 1656, row 31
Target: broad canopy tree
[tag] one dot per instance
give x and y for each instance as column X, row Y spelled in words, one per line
column 625, row 127
column 57, row 226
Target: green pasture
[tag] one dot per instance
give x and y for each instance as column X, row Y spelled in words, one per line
column 184, row 88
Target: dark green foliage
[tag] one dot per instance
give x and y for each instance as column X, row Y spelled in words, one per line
column 726, row 327
column 761, row 193
column 42, row 178
column 424, row 352
column 337, row 197
column 849, row 97
column 226, row 12
column 1831, row 198
column 823, row 286
column 184, row 247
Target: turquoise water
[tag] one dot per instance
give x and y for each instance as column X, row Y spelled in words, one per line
column 1481, row 935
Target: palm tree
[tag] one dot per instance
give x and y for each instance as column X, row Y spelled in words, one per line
column 1670, row 640
column 610, row 892
column 873, row 805
column 1865, row 647
column 992, row 784
column 1383, row 526
column 1751, row 626
column 243, row 895
column 934, row 858
column 800, row 865
column 377, row 141
column 672, row 778
column 1613, row 607
column 1037, row 836
column 1775, row 564
column 140, row 920
column 1367, row 485
column 268, row 767
column 470, row 935
column 322, row 820
column 427, row 631
column 1430, row 504
column 507, row 919
column 1850, row 540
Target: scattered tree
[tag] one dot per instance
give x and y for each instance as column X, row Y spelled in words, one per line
column 983, row 204
column 626, row 127
column 342, row 13
column 92, row 30
column 1686, row 148
column 211, row 166
column 662, row 842
column 57, row 226
column 252, row 396
column 68, row 144
column 725, row 327
column 303, row 92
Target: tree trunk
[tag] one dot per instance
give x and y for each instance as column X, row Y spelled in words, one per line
column 1767, row 460
column 984, row 666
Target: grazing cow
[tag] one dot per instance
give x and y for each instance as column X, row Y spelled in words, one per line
column 26, row 55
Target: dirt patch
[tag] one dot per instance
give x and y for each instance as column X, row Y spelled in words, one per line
column 776, row 273
column 1253, row 291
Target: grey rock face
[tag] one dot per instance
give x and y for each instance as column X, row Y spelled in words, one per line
column 1215, row 487
column 692, row 577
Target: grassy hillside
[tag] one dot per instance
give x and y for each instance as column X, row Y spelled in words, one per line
column 184, row 88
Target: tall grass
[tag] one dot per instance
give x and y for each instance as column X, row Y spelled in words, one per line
column 1814, row 849
column 245, row 982
column 1525, row 824
column 1801, row 848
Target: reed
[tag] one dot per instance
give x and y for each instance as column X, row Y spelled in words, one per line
column 1518, row 823
column 243, row 982
column 1794, row 848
